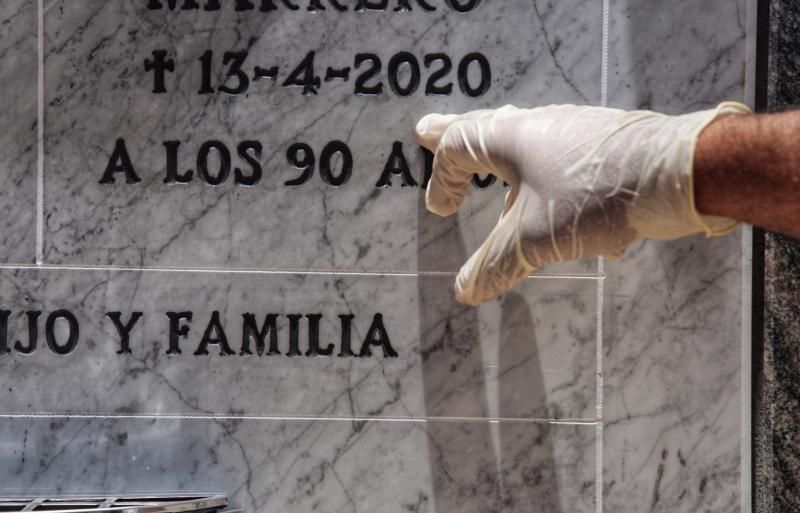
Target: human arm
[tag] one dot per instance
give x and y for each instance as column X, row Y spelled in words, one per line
column 587, row 181
column 748, row 168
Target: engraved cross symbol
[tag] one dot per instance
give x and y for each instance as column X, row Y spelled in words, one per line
column 159, row 65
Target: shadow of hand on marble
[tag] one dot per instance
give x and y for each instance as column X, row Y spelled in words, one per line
column 527, row 455
column 480, row 466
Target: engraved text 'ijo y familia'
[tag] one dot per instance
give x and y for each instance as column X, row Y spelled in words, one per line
column 250, row 337
column 311, row 5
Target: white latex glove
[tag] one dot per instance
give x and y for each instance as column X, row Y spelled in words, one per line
column 584, row 181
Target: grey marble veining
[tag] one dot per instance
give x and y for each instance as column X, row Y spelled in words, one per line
column 529, row 355
column 672, row 338
column 677, row 56
column 671, row 316
column 18, row 143
column 97, row 91
column 325, row 466
column 459, row 420
column 672, row 403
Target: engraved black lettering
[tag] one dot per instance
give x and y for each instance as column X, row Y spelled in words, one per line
column 485, row 75
column 337, row 74
column 236, row 60
column 33, row 334
column 172, row 164
column 463, row 5
column 294, row 335
column 72, row 337
column 124, row 329
column 306, row 163
column 205, row 81
column 4, row 331
column 313, row 338
column 214, row 334
column 405, row 5
column 345, row 349
column 176, row 330
column 268, row 73
column 396, row 165
column 171, row 4
column 224, row 162
column 313, row 5
column 159, row 65
column 303, row 76
column 431, row 87
column 250, row 332
column 119, row 162
column 331, row 150
column 372, row 5
column 377, row 336
column 269, row 5
column 362, row 88
column 244, row 149
column 395, row 65
column 316, row 5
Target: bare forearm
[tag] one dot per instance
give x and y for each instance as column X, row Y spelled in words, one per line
column 747, row 167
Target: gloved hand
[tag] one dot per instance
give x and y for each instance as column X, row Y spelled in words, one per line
column 584, row 181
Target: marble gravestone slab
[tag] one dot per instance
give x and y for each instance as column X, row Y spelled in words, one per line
column 296, row 466
column 91, row 342
column 673, row 397
column 171, row 132
column 18, row 137
column 241, row 290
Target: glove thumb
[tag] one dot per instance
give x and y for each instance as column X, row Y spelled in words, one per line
column 432, row 127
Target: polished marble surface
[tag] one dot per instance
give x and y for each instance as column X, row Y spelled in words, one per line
column 672, row 341
column 18, row 137
column 530, row 355
column 494, row 409
column 320, row 465
column 677, row 56
column 672, row 362
column 539, row 53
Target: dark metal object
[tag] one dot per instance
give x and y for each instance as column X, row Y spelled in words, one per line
column 121, row 504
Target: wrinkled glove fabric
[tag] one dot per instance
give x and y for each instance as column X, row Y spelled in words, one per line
column 584, row 181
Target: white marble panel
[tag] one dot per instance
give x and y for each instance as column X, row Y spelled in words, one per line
column 672, row 341
column 98, row 91
column 676, row 56
column 18, row 137
column 325, row 466
column 529, row 355
column 672, row 396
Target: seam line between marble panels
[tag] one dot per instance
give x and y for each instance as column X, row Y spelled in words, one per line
column 321, row 272
column 599, row 445
column 298, row 418
column 40, row 135
column 752, row 27
column 604, row 54
column 746, row 371
column 599, row 442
